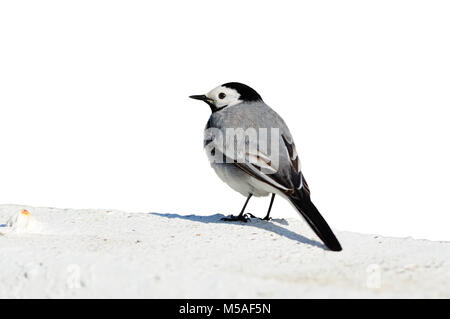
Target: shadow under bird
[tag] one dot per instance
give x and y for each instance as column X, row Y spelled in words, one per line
column 250, row 168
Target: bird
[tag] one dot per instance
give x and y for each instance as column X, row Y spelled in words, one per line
column 257, row 165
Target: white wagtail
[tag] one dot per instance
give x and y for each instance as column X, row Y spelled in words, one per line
column 257, row 166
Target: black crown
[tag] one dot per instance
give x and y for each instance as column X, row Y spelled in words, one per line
column 247, row 94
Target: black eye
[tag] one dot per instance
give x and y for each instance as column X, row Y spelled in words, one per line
column 222, row 95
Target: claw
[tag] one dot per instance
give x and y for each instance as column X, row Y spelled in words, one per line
column 240, row 218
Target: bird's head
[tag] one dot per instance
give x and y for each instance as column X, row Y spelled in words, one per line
column 228, row 94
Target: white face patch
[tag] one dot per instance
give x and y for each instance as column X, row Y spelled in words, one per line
column 223, row 96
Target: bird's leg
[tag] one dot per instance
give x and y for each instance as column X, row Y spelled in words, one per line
column 241, row 217
column 270, row 207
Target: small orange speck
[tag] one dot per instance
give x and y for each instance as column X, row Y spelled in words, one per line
column 25, row 212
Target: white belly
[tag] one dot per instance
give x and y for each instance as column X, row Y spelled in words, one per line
column 240, row 181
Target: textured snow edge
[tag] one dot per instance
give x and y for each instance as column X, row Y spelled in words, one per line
column 64, row 253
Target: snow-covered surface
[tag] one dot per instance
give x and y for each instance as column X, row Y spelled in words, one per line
column 54, row 253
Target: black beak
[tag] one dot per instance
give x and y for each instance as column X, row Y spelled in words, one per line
column 205, row 99
column 199, row 97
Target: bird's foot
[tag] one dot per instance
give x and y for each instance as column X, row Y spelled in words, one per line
column 267, row 218
column 240, row 218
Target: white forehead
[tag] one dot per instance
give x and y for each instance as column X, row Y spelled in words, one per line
column 230, row 93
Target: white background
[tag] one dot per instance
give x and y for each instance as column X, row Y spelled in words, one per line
column 94, row 110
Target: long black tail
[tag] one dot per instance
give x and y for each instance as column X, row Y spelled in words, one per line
column 301, row 200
